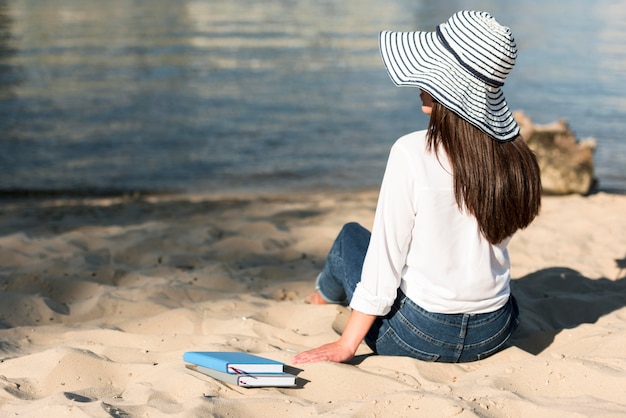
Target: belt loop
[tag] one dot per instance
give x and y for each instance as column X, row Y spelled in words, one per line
column 462, row 334
column 400, row 298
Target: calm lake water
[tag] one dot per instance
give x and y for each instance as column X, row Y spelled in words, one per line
column 238, row 95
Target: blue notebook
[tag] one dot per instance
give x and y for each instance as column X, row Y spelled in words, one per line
column 233, row 362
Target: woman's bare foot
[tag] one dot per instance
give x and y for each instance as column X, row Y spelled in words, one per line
column 315, row 299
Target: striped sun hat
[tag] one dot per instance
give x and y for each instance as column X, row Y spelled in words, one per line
column 462, row 65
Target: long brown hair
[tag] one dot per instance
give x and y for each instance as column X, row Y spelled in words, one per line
column 497, row 182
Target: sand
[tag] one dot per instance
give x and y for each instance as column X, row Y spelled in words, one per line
column 100, row 298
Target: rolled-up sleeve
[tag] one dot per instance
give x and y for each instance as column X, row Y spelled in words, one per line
column 391, row 237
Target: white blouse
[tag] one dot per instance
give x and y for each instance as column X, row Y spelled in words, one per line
column 425, row 245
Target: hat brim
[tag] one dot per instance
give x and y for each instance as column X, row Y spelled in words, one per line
column 420, row 60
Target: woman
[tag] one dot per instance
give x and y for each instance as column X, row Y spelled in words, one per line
column 432, row 280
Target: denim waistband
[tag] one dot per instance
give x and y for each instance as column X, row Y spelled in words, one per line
column 459, row 319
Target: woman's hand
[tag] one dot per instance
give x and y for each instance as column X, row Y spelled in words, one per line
column 336, row 352
column 343, row 349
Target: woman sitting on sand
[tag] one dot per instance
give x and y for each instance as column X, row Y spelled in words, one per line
column 432, row 279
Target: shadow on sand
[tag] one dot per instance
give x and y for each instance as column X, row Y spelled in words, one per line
column 559, row 298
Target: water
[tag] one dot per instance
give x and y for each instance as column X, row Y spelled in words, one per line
column 223, row 95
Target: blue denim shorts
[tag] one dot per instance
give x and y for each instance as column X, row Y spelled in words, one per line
column 409, row 330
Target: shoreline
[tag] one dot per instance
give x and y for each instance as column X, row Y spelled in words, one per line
column 101, row 297
column 12, row 195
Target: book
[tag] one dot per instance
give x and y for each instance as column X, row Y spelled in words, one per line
column 233, row 362
column 248, row 380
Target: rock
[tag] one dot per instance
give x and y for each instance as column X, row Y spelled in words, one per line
column 566, row 164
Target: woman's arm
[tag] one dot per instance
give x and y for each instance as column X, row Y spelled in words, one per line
column 344, row 348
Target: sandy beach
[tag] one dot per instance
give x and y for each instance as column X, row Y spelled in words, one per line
column 100, row 298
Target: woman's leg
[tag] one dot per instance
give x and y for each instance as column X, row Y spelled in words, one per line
column 342, row 272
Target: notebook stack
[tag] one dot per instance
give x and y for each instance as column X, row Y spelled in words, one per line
column 241, row 369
